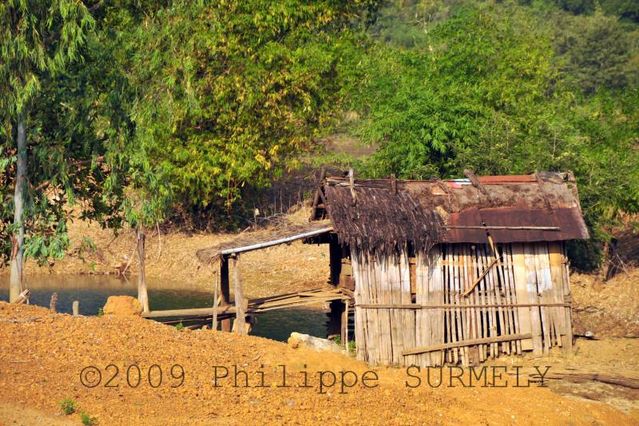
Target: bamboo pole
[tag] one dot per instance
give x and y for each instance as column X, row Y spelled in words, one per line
column 507, row 228
column 452, row 306
column 489, row 340
column 520, row 276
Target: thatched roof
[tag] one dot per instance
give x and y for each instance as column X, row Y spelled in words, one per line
column 383, row 214
column 380, row 219
column 264, row 238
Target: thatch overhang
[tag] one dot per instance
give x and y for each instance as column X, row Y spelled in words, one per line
column 385, row 214
column 264, row 239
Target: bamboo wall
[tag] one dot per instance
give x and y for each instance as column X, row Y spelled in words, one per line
column 469, row 303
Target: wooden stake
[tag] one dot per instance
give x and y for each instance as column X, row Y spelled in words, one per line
column 344, row 327
column 53, row 302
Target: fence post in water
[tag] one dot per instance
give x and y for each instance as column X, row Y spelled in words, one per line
column 76, row 308
column 53, row 302
column 240, row 312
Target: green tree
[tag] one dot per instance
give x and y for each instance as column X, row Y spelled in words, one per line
column 504, row 88
column 231, row 92
column 39, row 39
column 225, row 95
column 597, row 52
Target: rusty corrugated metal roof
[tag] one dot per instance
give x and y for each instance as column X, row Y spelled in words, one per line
column 568, row 221
column 546, row 199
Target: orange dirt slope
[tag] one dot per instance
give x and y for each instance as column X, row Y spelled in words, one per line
column 42, row 355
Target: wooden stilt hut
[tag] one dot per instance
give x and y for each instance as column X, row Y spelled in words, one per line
column 453, row 271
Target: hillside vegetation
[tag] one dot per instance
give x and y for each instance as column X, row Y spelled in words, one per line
column 176, row 112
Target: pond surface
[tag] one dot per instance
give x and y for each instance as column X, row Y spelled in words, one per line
column 92, row 292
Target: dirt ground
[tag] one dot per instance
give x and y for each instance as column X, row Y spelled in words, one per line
column 606, row 309
column 46, row 357
column 42, row 354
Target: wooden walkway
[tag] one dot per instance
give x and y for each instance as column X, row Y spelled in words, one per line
column 198, row 317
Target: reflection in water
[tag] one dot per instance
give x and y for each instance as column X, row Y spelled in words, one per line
column 92, row 292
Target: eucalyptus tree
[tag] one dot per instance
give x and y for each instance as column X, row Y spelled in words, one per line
column 60, row 120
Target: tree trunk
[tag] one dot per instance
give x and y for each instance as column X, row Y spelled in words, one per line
column 15, row 281
column 143, row 297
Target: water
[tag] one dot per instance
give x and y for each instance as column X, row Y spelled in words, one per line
column 92, row 292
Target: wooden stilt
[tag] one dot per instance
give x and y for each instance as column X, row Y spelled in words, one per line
column 239, row 324
column 216, row 301
column 344, row 325
column 225, row 289
column 335, row 259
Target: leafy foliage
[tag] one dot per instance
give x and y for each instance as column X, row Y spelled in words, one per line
column 227, row 93
column 39, row 42
column 137, row 109
column 504, row 88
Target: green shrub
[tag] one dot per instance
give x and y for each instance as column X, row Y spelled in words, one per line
column 87, row 420
column 68, row 406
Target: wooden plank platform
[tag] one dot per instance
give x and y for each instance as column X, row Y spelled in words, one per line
column 255, row 306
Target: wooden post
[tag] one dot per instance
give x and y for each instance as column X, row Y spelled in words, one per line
column 240, row 310
column 53, row 302
column 215, row 305
column 224, row 289
column 335, row 259
column 561, row 289
column 344, row 325
column 318, row 195
column 76, row 308
column 334, row 324
column 143, row 296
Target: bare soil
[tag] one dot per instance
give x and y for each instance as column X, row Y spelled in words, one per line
column 608, row 309
column 43, row 355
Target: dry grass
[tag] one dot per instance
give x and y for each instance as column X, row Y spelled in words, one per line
column 171, row 257
column 608, row 308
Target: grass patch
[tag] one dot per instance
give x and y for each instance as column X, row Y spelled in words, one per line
column 68, row 406
column 87, row 420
